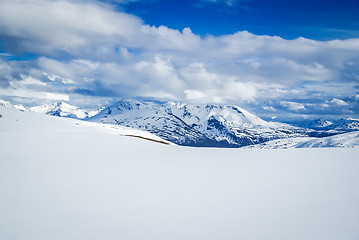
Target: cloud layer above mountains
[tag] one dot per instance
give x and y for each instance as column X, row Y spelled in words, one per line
column 89, row 51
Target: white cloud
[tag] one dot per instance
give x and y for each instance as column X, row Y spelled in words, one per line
column 339, row 102
column 293, row 106
column 28, row 80
column 194, row 95
column 207, row 96
column 59, row 25
column 237, row 90
column 53, row 78
column 269, row 108
column 26, row 93
column 111, row 53
column 197, row 75
column 162, row 37
column 158, row 73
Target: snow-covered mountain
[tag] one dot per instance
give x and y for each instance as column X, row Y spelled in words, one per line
column 196, row 125
column 8, row 104
column 344, row 124
column 62, row 109
column 334, row 125
column 210, row 125
column 5, row 103
column 66, row 179
column 13, row 120
column 350, row 139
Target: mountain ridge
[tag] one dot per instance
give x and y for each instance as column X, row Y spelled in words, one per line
column 204, row 125
column 196, row 125
column 61, row 109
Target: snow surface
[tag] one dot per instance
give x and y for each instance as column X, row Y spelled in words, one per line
column 63, row 181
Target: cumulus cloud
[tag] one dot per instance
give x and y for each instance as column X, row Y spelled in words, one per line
column 293, row 106
column 88, row 48
column 51, row 26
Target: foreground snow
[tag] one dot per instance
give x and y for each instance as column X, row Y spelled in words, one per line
column 60, row 180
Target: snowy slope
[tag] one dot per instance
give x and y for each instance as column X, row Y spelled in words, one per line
column 350, row 139
column 62, row 109
column 345, row 124
column 60, row 180
column 281, row 143
column 13, row 120
column 196, row 125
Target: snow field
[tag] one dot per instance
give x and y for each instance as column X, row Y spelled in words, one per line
column 73, row 184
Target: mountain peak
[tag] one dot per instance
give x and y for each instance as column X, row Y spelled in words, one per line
column 61, row 109
column 8, row 104
column 5, row 103
column 191, row 124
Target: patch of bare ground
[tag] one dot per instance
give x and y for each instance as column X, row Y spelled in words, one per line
column 149, row 139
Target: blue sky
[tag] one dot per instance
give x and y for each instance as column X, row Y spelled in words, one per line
column 275, row 58
column 316, row 19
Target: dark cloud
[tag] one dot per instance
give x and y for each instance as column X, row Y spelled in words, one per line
column 4, row 82
column 96, row 89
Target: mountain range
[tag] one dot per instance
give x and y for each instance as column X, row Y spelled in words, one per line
column 210, row 125
column 196, row 125
column 340, row 125
column 204, row 125
column 62, row 109
column 67, row 179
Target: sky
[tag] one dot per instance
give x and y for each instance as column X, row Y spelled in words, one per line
column 275, row 58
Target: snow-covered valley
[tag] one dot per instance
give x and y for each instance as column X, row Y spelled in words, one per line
column 70, row 179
